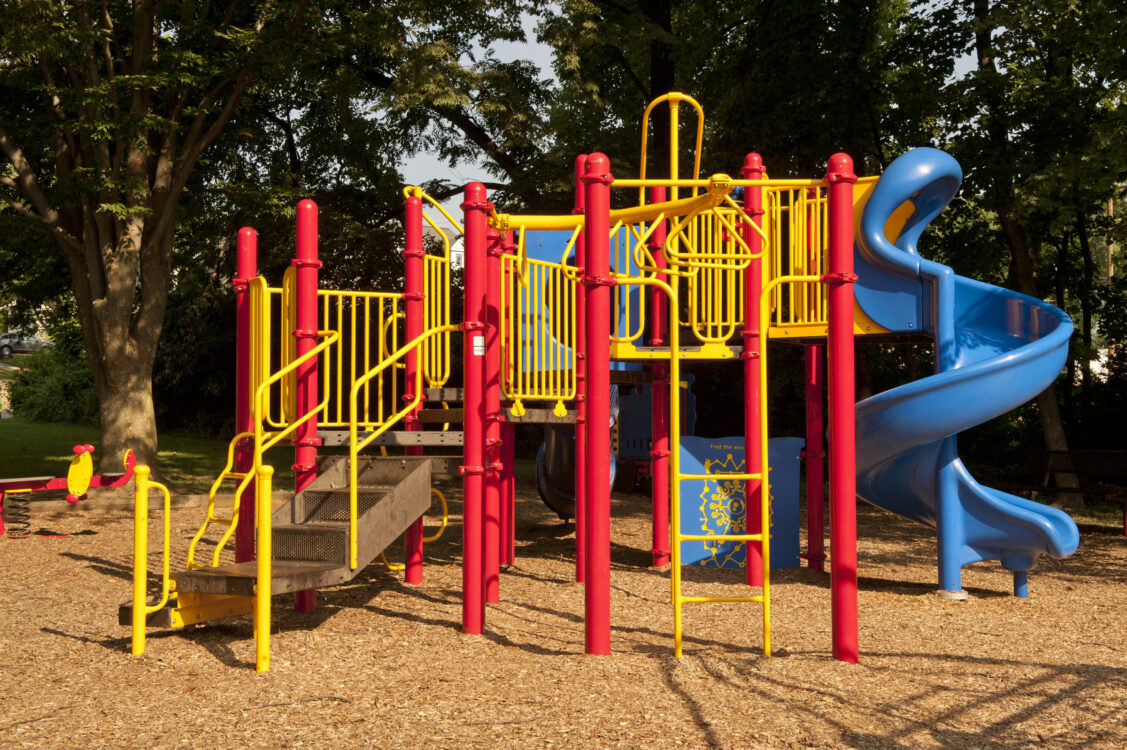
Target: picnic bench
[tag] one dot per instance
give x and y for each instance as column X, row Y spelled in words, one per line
column 1102, row 474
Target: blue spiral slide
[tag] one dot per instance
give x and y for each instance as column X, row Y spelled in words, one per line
column 994, row 350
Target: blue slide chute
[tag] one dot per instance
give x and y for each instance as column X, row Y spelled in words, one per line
column 994, row 350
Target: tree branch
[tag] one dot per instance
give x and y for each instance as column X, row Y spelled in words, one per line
column 28, row 184
column 40, row 224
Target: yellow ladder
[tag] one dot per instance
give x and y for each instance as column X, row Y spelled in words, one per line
column 764, row 537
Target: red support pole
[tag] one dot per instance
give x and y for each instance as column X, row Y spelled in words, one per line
column 508, row 495
column 244, row 410
column 815, row 448
column 580, row 381
column 476, row 209
column 493, row 416
column 659, row 399
column 508, row 445
column 414, row 313
column 305, row 437
column 843, row 449
column 597, row 179
column 814, row 453
column 753, row 169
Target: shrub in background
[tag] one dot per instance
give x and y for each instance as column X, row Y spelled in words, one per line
column 55, row 383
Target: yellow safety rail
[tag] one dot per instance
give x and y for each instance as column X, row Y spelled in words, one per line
column 364, row 321
column 674, row 99
column 355, row 444
column 538, row 329
column 141, row 608
column 798, row 218
column 436, row 286
column 263, row 441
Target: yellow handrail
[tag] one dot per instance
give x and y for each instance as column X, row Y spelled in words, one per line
column 227, row 473
column 355, row 446
column 264, row 555
column 141, row 609
column 261, row 445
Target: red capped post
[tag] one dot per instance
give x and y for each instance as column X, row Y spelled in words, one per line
column 753, row 169
column 247, row 269
column 414, row 324
column 476, row 209
column 305, row 437
column 493, row 453
column 580, row 380
column 843, row 448
column 597, row 179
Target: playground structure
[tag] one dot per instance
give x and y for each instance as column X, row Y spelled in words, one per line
column 683, row 273
column 79, row 479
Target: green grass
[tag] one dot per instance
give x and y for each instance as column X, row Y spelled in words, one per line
column 13, row 364
column 187, row 464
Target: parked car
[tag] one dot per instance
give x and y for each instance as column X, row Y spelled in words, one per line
column 15, row 343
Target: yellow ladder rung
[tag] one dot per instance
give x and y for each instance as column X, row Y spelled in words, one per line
column 717, row 477
column 217, row 519
column 697, row 599
column 720, row 537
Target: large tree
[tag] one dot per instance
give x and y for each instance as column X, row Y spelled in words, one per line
column 105, row 111
column 1038, row 125
column 113, row 113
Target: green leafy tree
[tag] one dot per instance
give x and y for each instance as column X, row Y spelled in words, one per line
column 105, row 111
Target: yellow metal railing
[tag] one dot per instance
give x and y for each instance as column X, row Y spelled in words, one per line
column 141, row 608
column 365, row 322
column 538, row 329
column 798, row 220
column 356, row 444
column 263, row 440
column 436, row 356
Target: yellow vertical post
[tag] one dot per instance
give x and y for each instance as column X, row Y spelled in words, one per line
column 140, row 554
column 265, row 484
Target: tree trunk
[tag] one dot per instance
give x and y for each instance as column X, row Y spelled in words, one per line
column 1087, row 281
column 126, row 409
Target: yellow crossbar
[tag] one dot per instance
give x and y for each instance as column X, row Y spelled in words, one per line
column 721, row 537
column 698, row 599
column 718, row 477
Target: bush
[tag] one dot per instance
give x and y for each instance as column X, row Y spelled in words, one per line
column 55, row 383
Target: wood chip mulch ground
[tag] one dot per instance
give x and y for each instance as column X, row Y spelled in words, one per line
column 381, row 664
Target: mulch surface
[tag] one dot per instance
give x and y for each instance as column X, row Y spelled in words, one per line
column 382, row 664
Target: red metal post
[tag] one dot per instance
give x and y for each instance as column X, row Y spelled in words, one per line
column 753, row 285
column 659, row 399
column 814, row 453
column 247, row 269
column 597, row 179
column 580, row 381
column 815, row 448
column 493, row 416
column 508, row 495
column 508, row 445
column 476, row 209
column 843, row 449
column 305, row 437
column 414, row 324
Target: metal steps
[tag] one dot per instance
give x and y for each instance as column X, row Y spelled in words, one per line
column 310, row 533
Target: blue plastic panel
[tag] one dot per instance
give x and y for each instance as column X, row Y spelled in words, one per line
column 717, row 507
